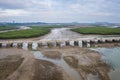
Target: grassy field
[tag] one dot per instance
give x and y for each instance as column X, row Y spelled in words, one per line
column 2, row 28
column 34, row 32
column 97, row 30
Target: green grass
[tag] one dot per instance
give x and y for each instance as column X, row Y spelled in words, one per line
column 35, row 32
column 97, row 30
column 2, row 28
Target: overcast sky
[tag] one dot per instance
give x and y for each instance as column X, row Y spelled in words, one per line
column 60, row 10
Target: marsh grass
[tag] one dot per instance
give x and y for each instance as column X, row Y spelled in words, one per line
column 2, row 28
column 97, row 30
column 35, row 32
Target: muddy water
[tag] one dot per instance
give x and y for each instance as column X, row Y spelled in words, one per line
column 60, row 62
column 112, row 57
column 65, row 34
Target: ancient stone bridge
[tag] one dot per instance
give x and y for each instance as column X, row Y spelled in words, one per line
column 83, row 42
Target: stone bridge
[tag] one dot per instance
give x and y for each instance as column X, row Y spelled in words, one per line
column 83, row 42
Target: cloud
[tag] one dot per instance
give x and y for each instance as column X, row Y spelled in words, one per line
column 14, row 4
column 60, row 10
column 9, row 12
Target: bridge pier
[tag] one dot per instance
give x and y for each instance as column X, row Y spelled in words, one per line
column 80, row 44
column 103, row 40
column 3, row 45
column 88, row 43
column 19, row 45
column 9, row 45
column 44, row 44
column 24, row 45
column 71, row 43
column 15, row 45
column 34, row 46
column 62, row 44
column 0, row 45
column 52, row 44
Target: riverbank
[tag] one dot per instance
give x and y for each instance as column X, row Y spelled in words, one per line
column 28, row 33
column 97, row 30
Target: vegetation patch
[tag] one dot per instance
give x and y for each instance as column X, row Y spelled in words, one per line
column 28, row 33
column 97, row 30
column 2, row 28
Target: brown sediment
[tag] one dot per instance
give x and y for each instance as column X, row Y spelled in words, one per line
column 25, row 69
column 8, row 65
column 45, row 70
column 85, row 61
column 93, row 65
column 29, row 68
column 52, row 54
column 71, row 61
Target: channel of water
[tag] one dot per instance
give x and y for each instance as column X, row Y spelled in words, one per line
column 60, row 62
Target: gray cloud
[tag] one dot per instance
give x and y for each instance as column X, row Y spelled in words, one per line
column 60, row 10
column 13, row 4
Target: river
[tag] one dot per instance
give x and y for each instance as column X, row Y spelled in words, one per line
column 66, row 34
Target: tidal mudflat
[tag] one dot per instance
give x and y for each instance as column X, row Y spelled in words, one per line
column 55, row 64
column 78, row 64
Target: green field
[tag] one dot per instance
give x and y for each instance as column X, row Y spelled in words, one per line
column 2, row 28
column 97, row 30
column 28, row 33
